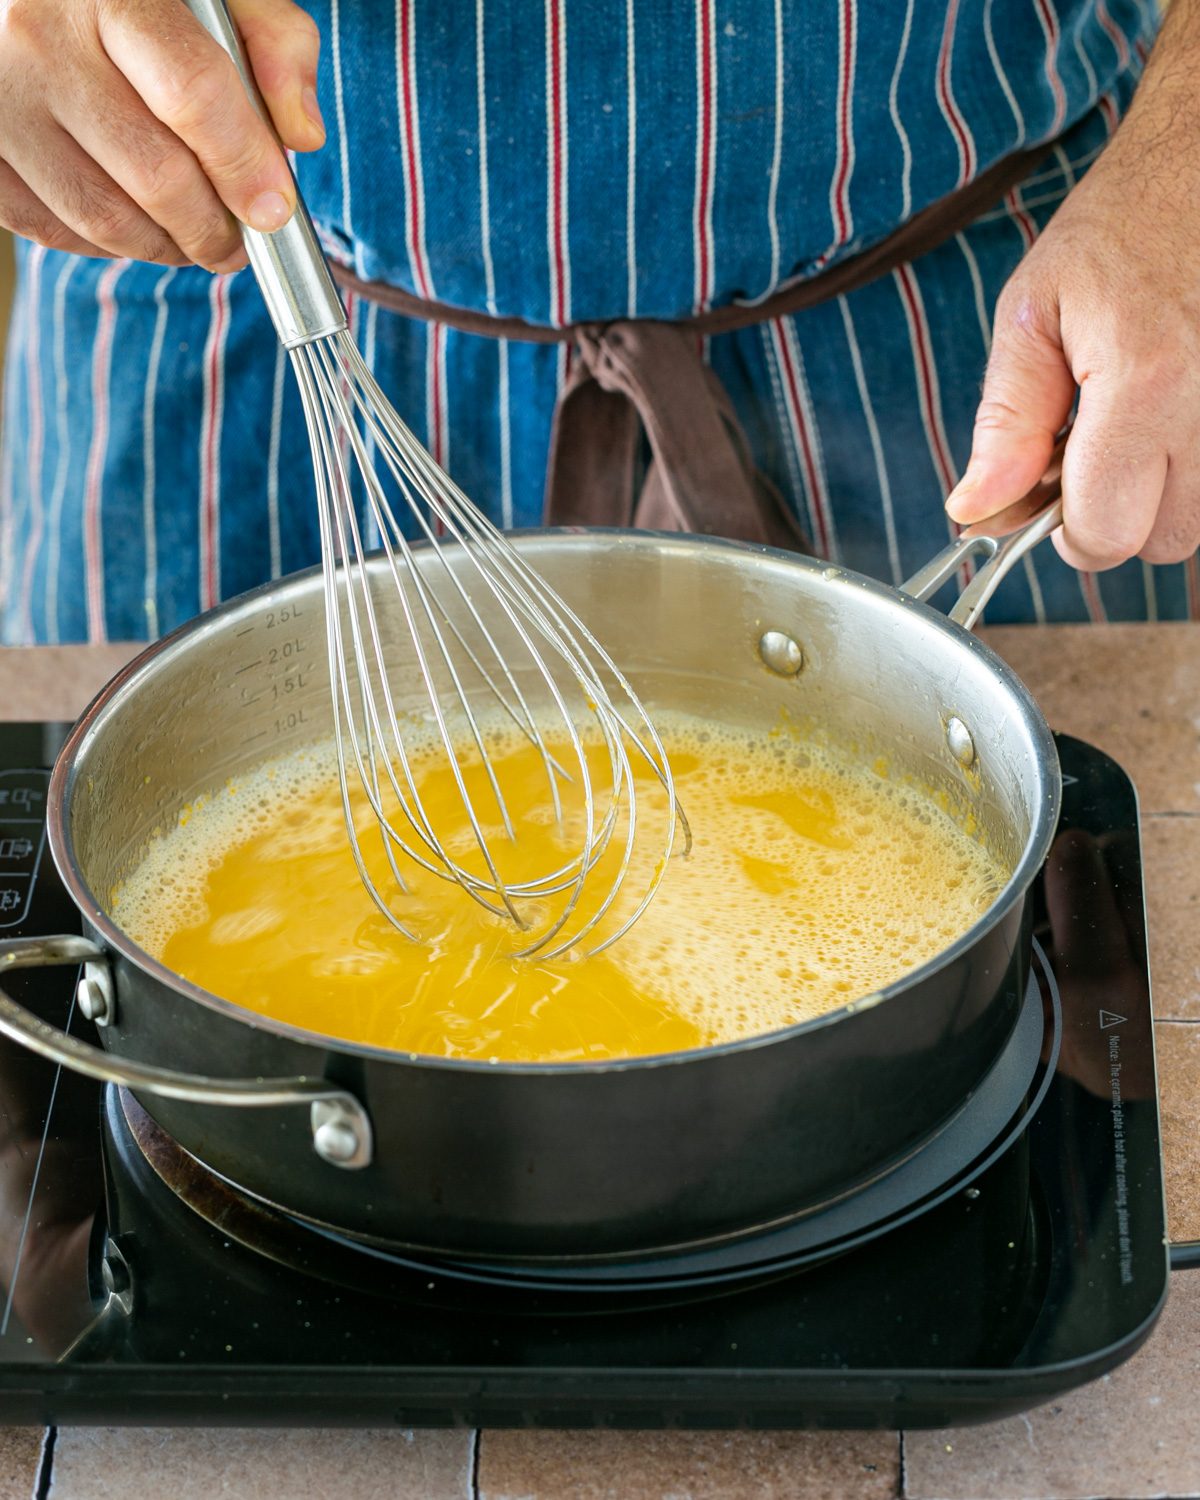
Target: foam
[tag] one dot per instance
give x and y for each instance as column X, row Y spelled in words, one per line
column 759, row 928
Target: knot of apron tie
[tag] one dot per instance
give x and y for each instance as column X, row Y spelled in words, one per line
column 629, row 379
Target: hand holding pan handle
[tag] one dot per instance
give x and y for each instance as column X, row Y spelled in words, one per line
column 341, row 1128
column 1002, row 539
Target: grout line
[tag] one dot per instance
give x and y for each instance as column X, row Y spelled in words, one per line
column 1176, row 1020
column 1153, row 816
column 46, row 1465
column 473, row 1464
column 903, row 1490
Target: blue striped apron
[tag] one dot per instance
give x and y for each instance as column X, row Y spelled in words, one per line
column 578, row 160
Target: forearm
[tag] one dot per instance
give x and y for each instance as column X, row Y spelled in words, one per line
column 1165, row 114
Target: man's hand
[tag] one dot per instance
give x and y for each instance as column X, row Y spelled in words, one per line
column 1108, row 301
column 125, row 129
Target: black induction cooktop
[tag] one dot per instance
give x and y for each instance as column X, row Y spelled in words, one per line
column 1027, row 1258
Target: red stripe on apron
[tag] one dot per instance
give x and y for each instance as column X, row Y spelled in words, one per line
column 1114, row 34
column 927, row 394
column 949, row 105
column 210, row 444
column 799, row 422
column 414, row 185
column 1049, row 20
column 842, row 222
column 1191, row 575
column 706, row 69
column 93, row 537
column 1090, row 588
column 1020, row 217
column 557, row 121
column 37, row 429
column 435, row 397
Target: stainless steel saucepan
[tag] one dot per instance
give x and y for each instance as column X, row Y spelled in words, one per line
column 578, row 1160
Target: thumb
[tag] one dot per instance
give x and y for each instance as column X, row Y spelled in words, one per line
column 283, row 43
column 1027, row 396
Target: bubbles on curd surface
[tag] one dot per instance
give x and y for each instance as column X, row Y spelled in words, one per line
column 811, row 881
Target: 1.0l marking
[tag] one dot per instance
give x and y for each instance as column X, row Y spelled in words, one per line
column 292, row 673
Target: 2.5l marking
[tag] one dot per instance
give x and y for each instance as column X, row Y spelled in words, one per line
column 282, row 615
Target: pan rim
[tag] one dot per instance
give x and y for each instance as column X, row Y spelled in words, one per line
column 66, row 771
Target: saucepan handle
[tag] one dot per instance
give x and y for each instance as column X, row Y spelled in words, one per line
column 341, row 1127
column 289, row 265
column 1039, row 513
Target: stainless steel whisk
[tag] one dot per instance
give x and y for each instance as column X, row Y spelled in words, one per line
column 493, row 644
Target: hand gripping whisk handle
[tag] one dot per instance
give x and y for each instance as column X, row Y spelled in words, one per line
column 288, row 265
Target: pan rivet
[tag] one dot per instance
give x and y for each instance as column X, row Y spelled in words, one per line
column 94, row 995
column 780, row 653
column 335, row 1141
column 114, row 1277
column 962, row 746
column 341, row 1131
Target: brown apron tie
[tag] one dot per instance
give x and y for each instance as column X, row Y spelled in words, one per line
column 633, row 377
column 931, row 227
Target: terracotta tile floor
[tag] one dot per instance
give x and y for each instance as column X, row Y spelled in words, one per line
column 1132, row 690
column 20, row 1461
column 1172, row 865
column 1133, row 1434
column 194, row 1463
column 699, row 1465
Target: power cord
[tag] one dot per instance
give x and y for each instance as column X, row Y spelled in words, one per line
column 1185, row 1255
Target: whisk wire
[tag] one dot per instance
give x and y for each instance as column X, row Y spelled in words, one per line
column 524, row 717
column 451, row 599
column 426, row 597
column 340, row 700
column 488, row 636
column 594, row 688
column 353, row 561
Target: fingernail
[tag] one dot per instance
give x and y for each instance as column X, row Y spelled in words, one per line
column 268, row 212
column 310, row 106
column 230, row 265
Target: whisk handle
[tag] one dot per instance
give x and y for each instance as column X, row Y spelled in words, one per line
column 288, row 264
